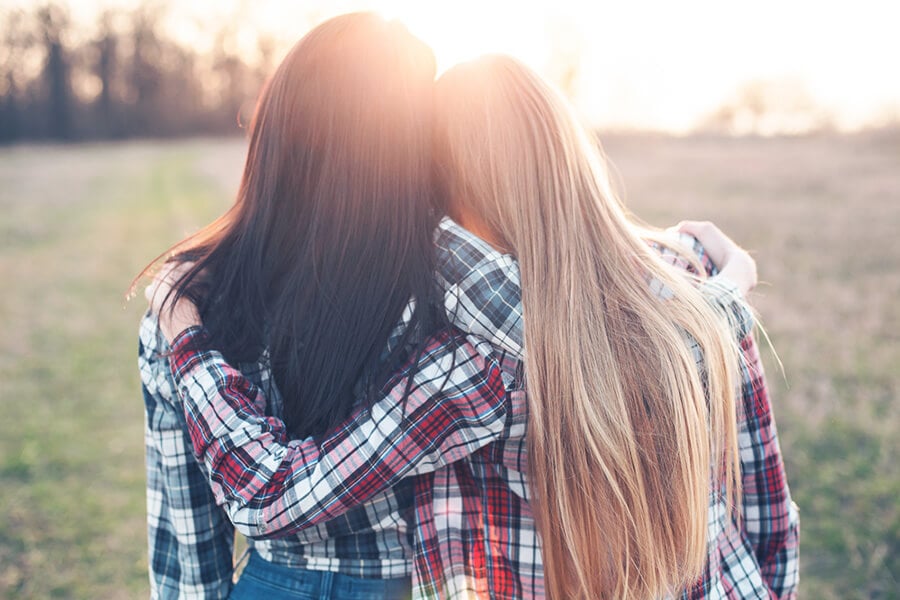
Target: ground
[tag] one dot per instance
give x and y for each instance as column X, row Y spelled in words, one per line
column 77, row 223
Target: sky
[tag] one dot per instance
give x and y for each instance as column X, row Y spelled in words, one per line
column 652, row 64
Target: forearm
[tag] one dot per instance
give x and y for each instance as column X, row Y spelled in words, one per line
column 272, row 487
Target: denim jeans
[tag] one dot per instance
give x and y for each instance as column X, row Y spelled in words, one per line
column 263, row 579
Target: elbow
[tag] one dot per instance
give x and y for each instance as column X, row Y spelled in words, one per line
column 265, row 524
column 253, row 531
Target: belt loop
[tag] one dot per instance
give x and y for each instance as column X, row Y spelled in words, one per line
column 326, row 591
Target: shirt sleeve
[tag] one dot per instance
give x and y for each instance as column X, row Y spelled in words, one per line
column 190, row 539
column 483, row 292
column 272, row 486
column 720, row 292
column 770, row 519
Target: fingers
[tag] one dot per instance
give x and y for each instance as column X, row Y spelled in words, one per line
column 717, row 245
column 699, row 228
column 731, row 260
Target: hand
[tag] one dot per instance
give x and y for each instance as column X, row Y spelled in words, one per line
column 182, row 314
column 733, row 262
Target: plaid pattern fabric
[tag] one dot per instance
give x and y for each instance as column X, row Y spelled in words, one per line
column 191, row 538
column 757, row 558
column 482, row 288
column 272, row 485
column 474, row 532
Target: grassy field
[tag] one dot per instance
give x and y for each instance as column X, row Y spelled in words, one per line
column 822, row 215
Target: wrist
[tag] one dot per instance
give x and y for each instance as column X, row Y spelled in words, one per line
column 740, row 268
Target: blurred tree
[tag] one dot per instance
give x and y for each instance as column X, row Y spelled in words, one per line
column 105, row 64
column 53, row 21
column 145, row 68
column 768, row 107
column 124, row 76
column 14, row 40
column 231, row 74
column 238, row 81
column 9, row 110
column 181, row 94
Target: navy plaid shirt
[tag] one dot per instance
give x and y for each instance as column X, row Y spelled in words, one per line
column 191, row 538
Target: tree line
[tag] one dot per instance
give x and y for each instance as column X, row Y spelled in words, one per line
column 122, row 77
column 125, row 76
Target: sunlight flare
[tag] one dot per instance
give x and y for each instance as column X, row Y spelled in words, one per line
column 467, row 29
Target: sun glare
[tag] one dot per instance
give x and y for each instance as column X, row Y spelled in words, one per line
column 641, row 63
column 466, row 29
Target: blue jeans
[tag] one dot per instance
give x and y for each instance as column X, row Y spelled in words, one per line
column 263, row 579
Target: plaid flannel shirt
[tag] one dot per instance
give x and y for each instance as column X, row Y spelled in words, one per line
column 474, row 532
column 191, row 538
column 487, row 550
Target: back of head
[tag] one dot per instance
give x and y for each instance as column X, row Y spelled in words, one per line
column 622, row 441
column 330, row 234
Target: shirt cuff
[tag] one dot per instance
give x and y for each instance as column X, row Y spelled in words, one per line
column 725, row 293
column 188, row 349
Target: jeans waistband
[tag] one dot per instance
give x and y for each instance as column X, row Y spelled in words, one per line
column 262, row 578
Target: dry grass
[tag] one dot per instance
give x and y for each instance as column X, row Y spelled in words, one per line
column 77, row 222
column 821, row 215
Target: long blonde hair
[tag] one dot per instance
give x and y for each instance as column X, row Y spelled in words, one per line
column 624, row 431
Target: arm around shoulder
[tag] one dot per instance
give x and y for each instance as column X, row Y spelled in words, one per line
column 272, row 486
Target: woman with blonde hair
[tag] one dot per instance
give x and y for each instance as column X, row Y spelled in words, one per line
column 634, row 467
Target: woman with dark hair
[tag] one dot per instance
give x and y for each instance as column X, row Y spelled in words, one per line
column 306, row 284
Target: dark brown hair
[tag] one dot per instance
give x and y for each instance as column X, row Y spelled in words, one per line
column 330, row 235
